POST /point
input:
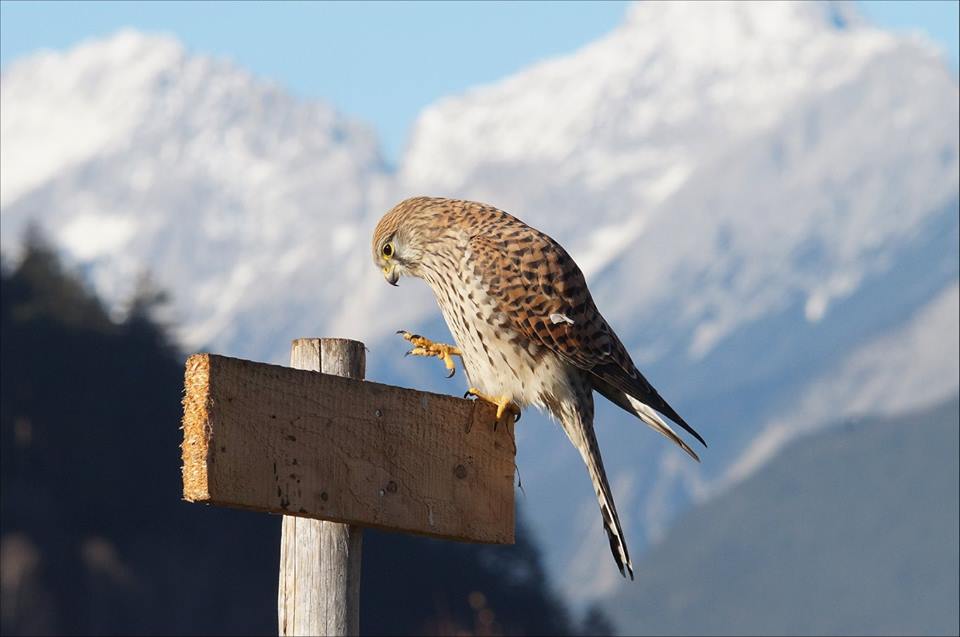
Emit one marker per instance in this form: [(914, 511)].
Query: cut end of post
[(196, 428)]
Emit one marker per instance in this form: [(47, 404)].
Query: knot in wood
[(460, 471)]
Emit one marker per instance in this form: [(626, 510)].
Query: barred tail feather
[(611, 524), (586, 442)]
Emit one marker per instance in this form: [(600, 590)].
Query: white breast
[(498, 360)]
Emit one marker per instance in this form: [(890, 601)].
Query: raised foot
[(503, 403), (425, 347)]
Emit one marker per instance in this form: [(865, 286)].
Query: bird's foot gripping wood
[(425, 347), (504, 404)]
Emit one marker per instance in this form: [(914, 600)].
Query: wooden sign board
[(302, 443)]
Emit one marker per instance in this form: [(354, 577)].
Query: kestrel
[(525, 324)]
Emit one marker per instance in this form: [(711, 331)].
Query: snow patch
[(913, 367), (88, 236)]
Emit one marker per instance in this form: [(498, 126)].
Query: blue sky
[(360, 55)]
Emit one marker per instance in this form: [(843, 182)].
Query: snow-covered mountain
[(764, 198), (239, 198)]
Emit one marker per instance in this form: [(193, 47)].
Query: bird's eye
[(388, 250)]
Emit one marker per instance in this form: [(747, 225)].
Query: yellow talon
[(504, 404), (425, 347)]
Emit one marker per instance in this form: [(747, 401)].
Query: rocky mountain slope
[(801, 547)]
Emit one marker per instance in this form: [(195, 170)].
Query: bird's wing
[(542, 292)]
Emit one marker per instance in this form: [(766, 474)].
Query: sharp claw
[(467, 394), (401, 331), (452, 372), (407, 353), (516, 418)]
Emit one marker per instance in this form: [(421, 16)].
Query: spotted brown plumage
[(526, 326)]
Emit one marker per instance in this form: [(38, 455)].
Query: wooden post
[(339, 453), (319, 591)]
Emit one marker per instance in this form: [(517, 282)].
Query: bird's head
[(400, 236)]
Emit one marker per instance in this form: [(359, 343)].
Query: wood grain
[(302, 443), (319, 588)]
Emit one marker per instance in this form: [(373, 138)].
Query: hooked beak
[(391, 275)]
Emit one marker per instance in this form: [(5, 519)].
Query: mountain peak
[(748, 19), (61, 107), (162, 143), (130, 44), (128, 52), (102, 96)]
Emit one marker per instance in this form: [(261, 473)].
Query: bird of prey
[(525, 324)]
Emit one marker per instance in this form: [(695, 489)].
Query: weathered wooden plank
[(302, 443), (319, 588)]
